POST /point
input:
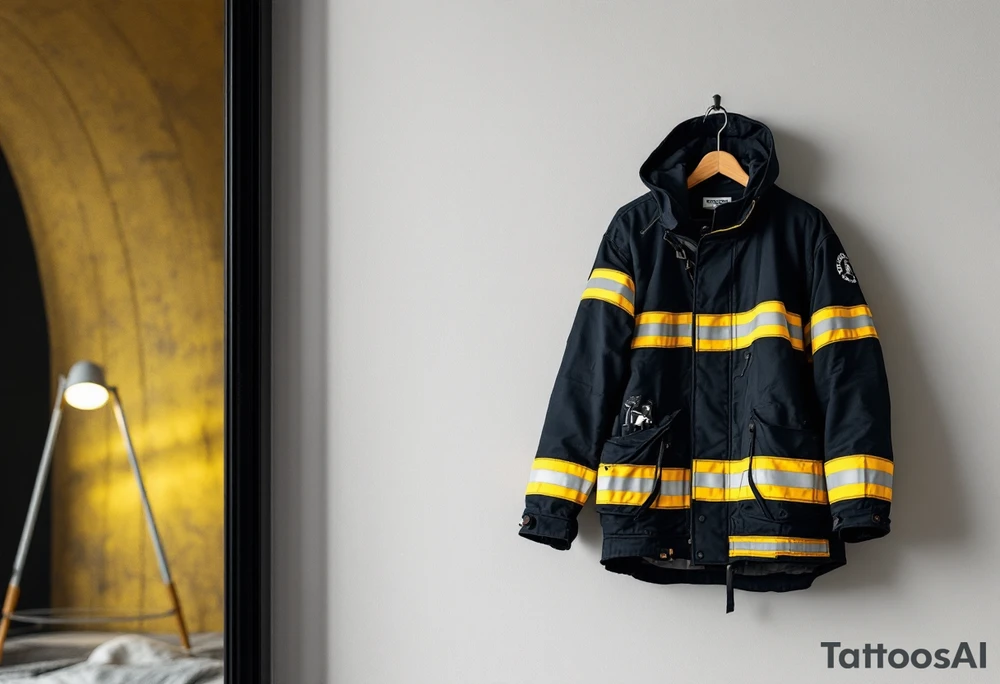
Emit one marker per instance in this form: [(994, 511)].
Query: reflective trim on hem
[(773, 547)]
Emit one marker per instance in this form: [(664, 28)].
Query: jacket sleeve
[(853, 393), (584, 402)]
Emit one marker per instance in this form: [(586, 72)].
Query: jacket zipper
[(747, 358), (694, 347)]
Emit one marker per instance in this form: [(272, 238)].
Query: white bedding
[(124, 659)]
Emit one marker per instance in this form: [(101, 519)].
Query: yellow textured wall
[(111, 117)]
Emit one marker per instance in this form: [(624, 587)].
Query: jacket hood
[(666, 170)]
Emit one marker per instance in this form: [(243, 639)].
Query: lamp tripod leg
[(181, 627), (14, 586), (9, 606), (161, 556)]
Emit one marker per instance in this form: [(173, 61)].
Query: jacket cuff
[(862, 525), (558, 533)]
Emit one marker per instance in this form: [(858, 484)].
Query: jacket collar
[(666, 170)]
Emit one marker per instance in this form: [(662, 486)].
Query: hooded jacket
[(722, 388)]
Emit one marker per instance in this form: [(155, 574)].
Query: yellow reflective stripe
[(614, 287), (748, 316), (842, 335), (610, 297), (840, 324), (861, 490), (770, 492), (840, 312), (630, 485), (866, 461), (561, 466), (719, 332), (783, 463), (665, 317), (744, 342), (647, 472), (859, 476), (663, 329), (557, 491), (776, 477), (607, 497), (773, 547), (661, 342), (616, 276), (561, 479)]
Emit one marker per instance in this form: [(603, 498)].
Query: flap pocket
[(768, 439)]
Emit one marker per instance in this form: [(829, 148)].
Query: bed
[(109, 658)]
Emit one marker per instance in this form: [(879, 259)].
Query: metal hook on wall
[(715, 108)]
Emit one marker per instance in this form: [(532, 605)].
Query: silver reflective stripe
[(711, 480), (562, 479), (663, 330), (608, 284), (779, 478), (841, 323), (782, 478), (643, 485), (819, 546), (859, 476), (728, 332)]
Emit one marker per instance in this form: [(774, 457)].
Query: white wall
[(443, 174)]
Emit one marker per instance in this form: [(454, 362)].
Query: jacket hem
[(635, 556)]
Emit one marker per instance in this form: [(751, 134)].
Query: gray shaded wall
[(434, 159)]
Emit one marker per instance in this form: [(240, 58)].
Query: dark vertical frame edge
[(248, 342)]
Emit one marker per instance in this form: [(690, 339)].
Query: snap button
[(526, 521), (701, 554), (877, 518), (701, 518)]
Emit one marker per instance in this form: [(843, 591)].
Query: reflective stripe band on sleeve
[(858, 477), (840, 324), (776, 478), (773, 547), (718, 332), (561, 479), (629, 485), (613, 287)]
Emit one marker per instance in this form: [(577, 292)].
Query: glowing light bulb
[(86, 396)]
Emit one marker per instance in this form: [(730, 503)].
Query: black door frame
[(248, 342)]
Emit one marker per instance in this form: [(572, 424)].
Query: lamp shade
[(86, 388)]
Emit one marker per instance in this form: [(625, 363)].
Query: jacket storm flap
[(722, 388)]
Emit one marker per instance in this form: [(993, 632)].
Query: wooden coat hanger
[(718, 162)]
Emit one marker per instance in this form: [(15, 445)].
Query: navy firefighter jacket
[(722, 388)]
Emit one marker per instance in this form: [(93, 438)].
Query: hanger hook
[(715, 108)]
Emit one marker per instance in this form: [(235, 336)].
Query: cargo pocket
[(784, 477), (636, 473)]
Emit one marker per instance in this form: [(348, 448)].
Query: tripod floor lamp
[(83, 388)]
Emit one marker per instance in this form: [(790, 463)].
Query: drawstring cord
[(730, 601), (753, 485), (654, 493)]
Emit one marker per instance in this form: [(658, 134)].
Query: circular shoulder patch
[(844, 268)]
